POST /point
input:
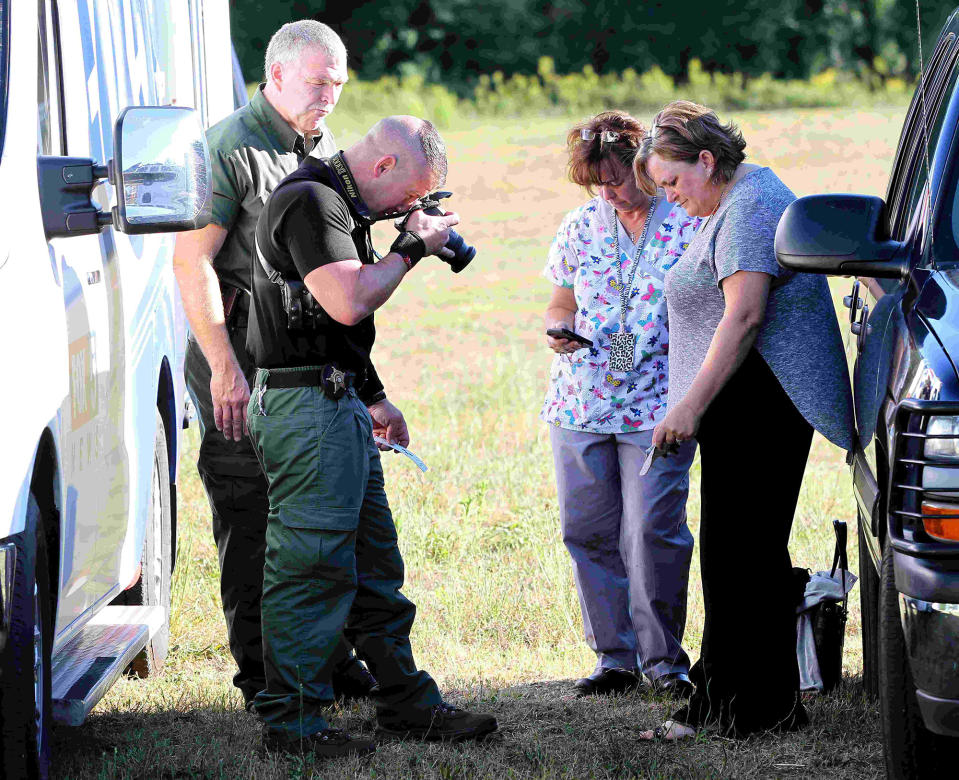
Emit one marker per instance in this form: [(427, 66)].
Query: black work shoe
[(676, 685), (442, 722), (329, 743), (606, 682), (353, 681)]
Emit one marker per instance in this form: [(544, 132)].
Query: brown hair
[(586, 158), (680, 132)]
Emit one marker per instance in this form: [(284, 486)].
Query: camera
[(457, 254)]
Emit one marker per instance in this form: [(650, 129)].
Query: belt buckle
[(334, 381)]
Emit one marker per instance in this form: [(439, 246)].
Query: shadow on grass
[(545, 732)]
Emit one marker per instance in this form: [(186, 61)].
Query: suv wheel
[(869, 612), (911, 750)]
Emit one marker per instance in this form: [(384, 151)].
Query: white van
[(103, 104)]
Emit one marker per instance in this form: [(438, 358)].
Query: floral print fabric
[(584, 394)]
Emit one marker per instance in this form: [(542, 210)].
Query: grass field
[(498, 623)]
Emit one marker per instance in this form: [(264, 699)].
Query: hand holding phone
[(569, 335)]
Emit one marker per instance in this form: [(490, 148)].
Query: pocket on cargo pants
[(313, 453)]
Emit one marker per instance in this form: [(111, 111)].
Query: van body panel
[(96, 331)]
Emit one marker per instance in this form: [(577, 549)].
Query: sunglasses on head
[(605, 136)]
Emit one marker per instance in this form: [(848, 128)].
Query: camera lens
[(463, 252)]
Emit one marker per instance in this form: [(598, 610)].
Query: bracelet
[(410, 247)]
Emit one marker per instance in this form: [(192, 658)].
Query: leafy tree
[(454, 42)]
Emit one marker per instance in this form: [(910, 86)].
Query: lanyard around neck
[(626, 290)]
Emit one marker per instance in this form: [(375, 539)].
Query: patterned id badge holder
[(622, 348)]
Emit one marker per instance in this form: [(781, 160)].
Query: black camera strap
[(345, 185), (271, 273)]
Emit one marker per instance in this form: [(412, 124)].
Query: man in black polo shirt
[(332, 562), (252, 150)]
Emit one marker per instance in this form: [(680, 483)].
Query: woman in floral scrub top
[(626, 533)]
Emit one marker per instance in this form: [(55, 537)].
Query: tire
[(869, 613), (25, 706), (156, 570), (911, 750)]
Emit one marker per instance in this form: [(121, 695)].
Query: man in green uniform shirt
[(251, 151), (332, 561)]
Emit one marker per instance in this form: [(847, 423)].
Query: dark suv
[(902, 309)]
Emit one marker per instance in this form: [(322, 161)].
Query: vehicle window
[(49, 103), (909, 172), (4, 64), (164, 50), (945, 238), (198, 36)]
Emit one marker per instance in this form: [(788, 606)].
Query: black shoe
[(442, 722), (608, 681), (676, 685), (352, 680), (329, 743)]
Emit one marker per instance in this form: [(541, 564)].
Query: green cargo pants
[(333, 567)]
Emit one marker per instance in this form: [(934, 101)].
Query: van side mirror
[(162, 169), (161, 172), (841, 235)]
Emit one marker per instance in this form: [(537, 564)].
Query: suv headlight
[(946, 449), (940, 505)]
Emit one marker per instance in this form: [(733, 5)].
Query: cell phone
[(566, 333)]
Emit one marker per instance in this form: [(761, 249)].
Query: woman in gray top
[(756, 364)]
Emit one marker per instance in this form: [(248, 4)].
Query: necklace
[(721, 196), (622, 344), (715, 208)]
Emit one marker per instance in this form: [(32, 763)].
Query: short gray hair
[(292, 38), (434, 150)]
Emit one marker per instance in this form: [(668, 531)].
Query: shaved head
[(414, 137), (407, 148)]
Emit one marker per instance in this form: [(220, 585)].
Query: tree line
[(454, 42)]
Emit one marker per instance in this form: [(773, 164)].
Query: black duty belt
[(331, 379)]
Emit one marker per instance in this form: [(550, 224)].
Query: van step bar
[(86, 667)]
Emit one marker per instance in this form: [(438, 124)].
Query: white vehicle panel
[(100, 315), (35, 349)]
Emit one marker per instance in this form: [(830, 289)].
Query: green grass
[(498, 622)]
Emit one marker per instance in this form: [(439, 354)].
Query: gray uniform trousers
[(630, 546)]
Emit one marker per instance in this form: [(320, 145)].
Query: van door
[(91, 474)]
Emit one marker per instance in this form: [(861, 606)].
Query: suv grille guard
[(907, 534)]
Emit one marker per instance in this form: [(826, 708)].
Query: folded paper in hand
[(419, 463), (654, 452)]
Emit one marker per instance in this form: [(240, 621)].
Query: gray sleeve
[(744, 240)]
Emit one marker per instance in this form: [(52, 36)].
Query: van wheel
[(25, 691), (911, 750), (153, 587), (869, 612)]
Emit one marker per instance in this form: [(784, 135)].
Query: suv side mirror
[(839, 235), (162, 170)]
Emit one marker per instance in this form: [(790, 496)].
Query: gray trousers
[(630, 546)]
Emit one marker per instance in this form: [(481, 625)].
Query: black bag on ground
[(821, 622)]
